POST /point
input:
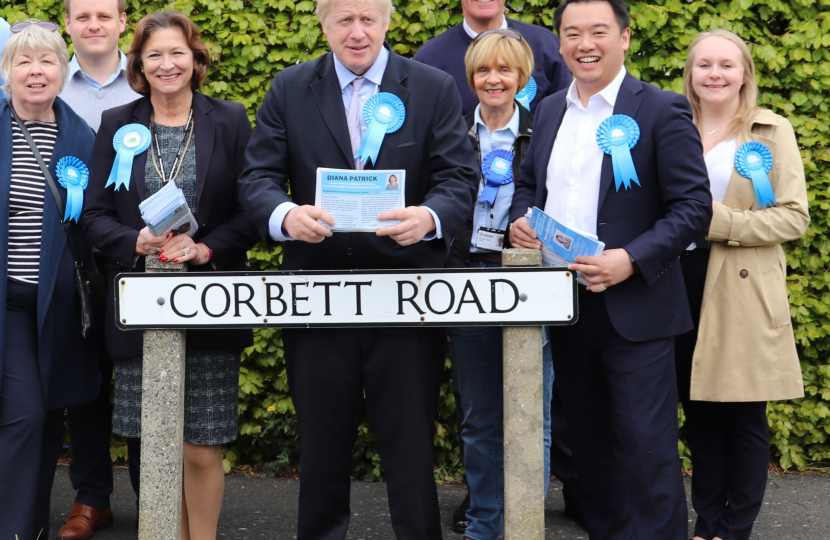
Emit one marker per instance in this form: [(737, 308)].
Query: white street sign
[(376, 298)]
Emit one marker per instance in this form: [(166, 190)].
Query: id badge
[(490, 239)]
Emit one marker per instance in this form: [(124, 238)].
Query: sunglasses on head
[(506, 32), (46, 25)]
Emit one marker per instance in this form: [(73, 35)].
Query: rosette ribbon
[(527, 94), (753, 160), (129, 141), (383, 113), (73, 175), (616, 136), (497, 168)]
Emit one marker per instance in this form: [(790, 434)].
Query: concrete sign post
[(524, 457), (162, 426)]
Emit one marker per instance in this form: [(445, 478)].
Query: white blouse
[(719, 163)]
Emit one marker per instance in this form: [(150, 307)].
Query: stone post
[(162, 426), (524, 458)]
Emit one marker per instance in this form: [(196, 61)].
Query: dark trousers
[(29, 437), (729, 441), (620, 400), (399, 373), (90, 432)]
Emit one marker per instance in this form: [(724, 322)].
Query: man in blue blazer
[(616, 364), (310, 118)]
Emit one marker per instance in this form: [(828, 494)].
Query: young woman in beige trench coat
[(742, 352)]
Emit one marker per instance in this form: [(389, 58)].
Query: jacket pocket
[(775, 291)]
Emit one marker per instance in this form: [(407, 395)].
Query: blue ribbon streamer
[(616, 136), (73, 175), (753, 160), (129, 141), (383, 113), (527, 94), (497, 168)]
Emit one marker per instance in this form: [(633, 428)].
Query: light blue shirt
[(75, 69), (5, 34), (371, 85), (501, 139)]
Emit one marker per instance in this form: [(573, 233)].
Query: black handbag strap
[(51, 182)]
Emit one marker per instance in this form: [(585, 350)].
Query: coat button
[(744, 273), (348, 251)]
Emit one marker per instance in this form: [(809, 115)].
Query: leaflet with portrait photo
[(561, 244), (355, 198)]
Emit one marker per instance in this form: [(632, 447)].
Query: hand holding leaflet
[(167, 211), (560, 244)]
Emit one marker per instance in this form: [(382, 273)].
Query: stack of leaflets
[(167, 211), (560, 244)]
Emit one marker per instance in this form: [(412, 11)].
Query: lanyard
[(177, 161), (483, 181)]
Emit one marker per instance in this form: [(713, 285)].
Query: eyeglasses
[(500, 31), (46, 25)]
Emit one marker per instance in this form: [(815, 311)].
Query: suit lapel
[(204, 140), (548, 137), (142, 116), (628, 103), (329, 98), (393, 77)]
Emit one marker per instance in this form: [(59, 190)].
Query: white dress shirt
[(371, 85), (573, 173)]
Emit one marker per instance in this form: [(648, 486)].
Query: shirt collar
[(609, 93), (75, 66), (472, 33), (512, 125), (375, 73)]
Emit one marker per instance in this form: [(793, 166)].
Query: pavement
[(796, 507)]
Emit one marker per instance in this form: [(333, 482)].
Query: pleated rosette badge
[(527, 94), (616, 136), (129, 141), (383, 113), (753, 160), (73, 175), (497, 168)]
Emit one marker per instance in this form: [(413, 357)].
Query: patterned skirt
[(211, 390)]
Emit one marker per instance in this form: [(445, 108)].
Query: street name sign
[(341, 298)]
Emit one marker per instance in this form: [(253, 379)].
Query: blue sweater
[(446, 52)]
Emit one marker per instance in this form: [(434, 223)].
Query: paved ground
[(796, 508)]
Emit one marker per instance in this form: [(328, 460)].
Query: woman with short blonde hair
[(742, 352)]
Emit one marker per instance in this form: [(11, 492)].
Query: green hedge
[(251, 40)]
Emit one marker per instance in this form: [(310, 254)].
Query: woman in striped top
[(45, 364)]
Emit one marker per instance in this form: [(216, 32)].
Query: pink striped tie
[(354, 120)]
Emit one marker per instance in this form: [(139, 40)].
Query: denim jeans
[(477, 356)]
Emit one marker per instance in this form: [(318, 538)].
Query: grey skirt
[(211, 390)]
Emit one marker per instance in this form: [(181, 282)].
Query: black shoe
[(459, 515), (573, 511)]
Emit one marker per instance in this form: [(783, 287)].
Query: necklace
[(712, 132), (174, 172)]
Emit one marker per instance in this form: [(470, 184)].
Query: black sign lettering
[(227, 299), (238, 302), (295, 299), (173, 300), (495, 309), (429, 304), (358, 285), (326, 285), (411, 299), (278, 298), (469, 287)]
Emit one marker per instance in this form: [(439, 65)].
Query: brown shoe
[(83, 522)]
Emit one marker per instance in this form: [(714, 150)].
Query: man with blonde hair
[(313, 117)]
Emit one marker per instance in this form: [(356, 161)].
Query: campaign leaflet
[(355, 198), (560, 244), (167, 211)]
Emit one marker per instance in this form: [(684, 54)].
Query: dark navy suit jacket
[(68, 364), (302, 125), (655, 221)]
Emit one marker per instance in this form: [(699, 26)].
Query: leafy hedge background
[(251, 40)]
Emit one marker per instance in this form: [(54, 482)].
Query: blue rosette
[(497, 168), (73, 175), (383, 113), (129, 141), (616, 136), (753, 160), (527, 94)]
